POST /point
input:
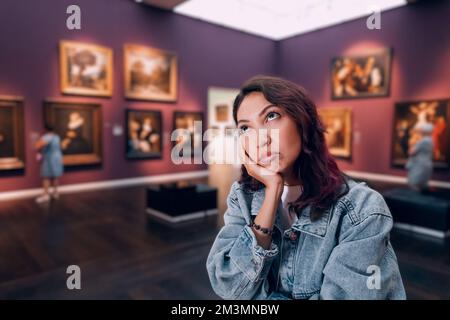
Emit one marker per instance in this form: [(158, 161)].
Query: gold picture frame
[(144, 134), (364, 75), (80, 128), (150, 73), (12, 143), (85, 69), (338, 123), (184, 132), (411, 114)]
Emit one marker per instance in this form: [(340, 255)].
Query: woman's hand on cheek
[(271, 179)]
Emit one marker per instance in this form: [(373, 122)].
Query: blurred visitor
[(49, 146), (420, 161)]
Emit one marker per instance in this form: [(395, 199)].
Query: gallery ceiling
[(276, 19)]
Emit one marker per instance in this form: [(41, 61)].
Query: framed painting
[(188, 133), (150, 74), (144, 134), (85, 69), (409, 115), (79, 126), (12, 150), (338, 124), (361, 76)]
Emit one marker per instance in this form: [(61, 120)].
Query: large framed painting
[(150, 74), (85, 69), (188, 133), (338, 124), (408, 115), (12, 153), (79, 126), (361, 76), (144, 134)]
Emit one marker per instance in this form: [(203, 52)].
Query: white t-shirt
[(290, 194)]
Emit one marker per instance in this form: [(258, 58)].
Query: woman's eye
[(272, 115), (243, 129)]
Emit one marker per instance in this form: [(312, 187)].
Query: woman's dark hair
[(322, 181), (48, 127)]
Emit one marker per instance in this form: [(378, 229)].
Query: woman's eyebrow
[(260, 113)]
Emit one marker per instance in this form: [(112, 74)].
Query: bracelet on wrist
[(267, 231)]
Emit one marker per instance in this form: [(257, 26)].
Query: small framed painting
[(188, 133), (12, 153), (79, 125), (144, 134), (150, 74), (361, 76), (86, 69), (338, 124)]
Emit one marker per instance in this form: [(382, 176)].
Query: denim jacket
[(345, 254)]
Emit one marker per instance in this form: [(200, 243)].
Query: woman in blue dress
[(49, 145)]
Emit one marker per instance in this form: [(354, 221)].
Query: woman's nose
[(264, 138)]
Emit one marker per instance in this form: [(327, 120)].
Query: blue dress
[(52, 159), (420, 165)]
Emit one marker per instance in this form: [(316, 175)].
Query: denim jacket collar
[(303, 224), (316, 227)]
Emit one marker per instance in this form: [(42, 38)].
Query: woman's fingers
[(261, 171), (249, 164), (244, 157), (252, 167)]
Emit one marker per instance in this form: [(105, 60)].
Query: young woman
[(52, 163), (295, 226)]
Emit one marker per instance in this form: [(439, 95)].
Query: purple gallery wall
[(208, 55), (420, 38)]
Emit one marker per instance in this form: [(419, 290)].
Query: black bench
[(172, 203), (427, 213)]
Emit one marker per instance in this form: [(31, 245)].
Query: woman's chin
[(272, 166)]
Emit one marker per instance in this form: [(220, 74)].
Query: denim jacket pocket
[(305, 286), (307, 272)]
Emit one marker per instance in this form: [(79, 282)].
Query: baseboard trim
[(422, 230), (119, 183), (108, 184), (181, 218), (391, 178)]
